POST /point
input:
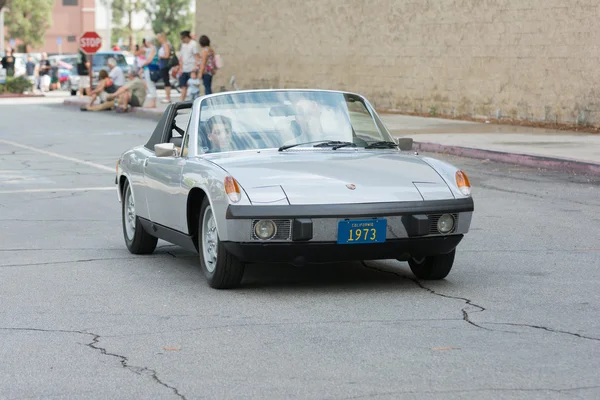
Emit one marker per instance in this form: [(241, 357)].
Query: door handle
[(145, 162)]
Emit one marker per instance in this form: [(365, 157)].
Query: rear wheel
[(137, 240), (432, 267), (221, 269)]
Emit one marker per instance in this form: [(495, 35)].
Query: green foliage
[(16, 85), (29, 20), (122, 11), (170, 17), (433, 110)]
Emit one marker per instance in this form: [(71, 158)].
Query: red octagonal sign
[(90, 42)]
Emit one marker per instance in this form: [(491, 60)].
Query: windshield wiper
[(322, 143), (381, 145), (336, 144)]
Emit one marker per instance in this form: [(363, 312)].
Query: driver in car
[(220, 134), (307, 125)]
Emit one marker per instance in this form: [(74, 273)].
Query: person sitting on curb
[(132, 94), (105, 86)]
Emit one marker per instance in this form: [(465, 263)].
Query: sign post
[(90, 43)]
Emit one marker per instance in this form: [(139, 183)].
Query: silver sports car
[(289, 176)]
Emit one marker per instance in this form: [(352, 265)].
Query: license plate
[(362, 231)]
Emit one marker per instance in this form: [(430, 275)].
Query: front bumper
[(312, 252), (319, 223)]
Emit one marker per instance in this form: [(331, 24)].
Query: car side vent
[(433, 220), (284, 229)]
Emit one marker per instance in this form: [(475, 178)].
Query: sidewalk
[(532, 147)]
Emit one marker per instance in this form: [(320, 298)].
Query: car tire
[(221, 269), (433, 267), (137, 240)]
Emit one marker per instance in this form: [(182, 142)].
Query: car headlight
[(445, 224), (265, 229)]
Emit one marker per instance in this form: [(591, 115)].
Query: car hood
[(332, 176)]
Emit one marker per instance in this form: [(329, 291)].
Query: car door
[(165, 196)]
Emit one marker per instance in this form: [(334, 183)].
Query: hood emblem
[(351, 186)]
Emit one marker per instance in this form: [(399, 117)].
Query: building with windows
[(70, 18)]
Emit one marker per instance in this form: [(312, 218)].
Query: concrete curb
[(150, 112), (527, 160)]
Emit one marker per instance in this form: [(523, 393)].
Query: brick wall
[(534, 59)]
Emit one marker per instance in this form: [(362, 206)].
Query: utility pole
[(108, 24), (2, 10)]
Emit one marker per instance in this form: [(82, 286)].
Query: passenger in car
[(220, 134)]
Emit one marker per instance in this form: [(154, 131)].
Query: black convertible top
[(164, 125)]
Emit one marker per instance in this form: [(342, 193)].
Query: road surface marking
[(56, 155), (59, 190)]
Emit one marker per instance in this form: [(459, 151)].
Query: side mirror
[(405, 144), (164, 149)]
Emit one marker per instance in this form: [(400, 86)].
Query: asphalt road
[(81, 317)]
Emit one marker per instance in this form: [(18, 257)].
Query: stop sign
[(90, 42)]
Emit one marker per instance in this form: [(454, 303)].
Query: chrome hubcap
[(129, 214), (210, 240)]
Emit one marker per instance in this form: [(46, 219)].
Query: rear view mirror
[(405, 144), (164, 149)]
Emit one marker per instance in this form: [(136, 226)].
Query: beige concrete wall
[(527, 58)]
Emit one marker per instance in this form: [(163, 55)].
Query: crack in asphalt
[(124, 361), (545, 329), (469, 302), (137, 370), (553, 390), (67, 262)]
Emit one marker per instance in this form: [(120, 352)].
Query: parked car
[(289, 176), (99, 62), (63, 66)]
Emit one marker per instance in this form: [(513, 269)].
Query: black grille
[(433, 220)]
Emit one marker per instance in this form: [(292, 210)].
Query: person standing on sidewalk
[(45, 68), (164, 56), (30, 71), (189, 57), (83, 70), (150, 69), (207, 64), (8, 63)]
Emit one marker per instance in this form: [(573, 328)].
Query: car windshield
[(272, 119), (101, 60)]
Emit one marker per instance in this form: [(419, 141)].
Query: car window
[(362, 122), (101, 60)]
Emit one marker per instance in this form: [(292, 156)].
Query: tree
[(170, 17), (122, 12), (29, 20)]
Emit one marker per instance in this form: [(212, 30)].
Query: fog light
[(265, 229), (445, 223)]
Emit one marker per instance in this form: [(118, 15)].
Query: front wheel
[(221, 269), (432, 267), (137, 240)]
